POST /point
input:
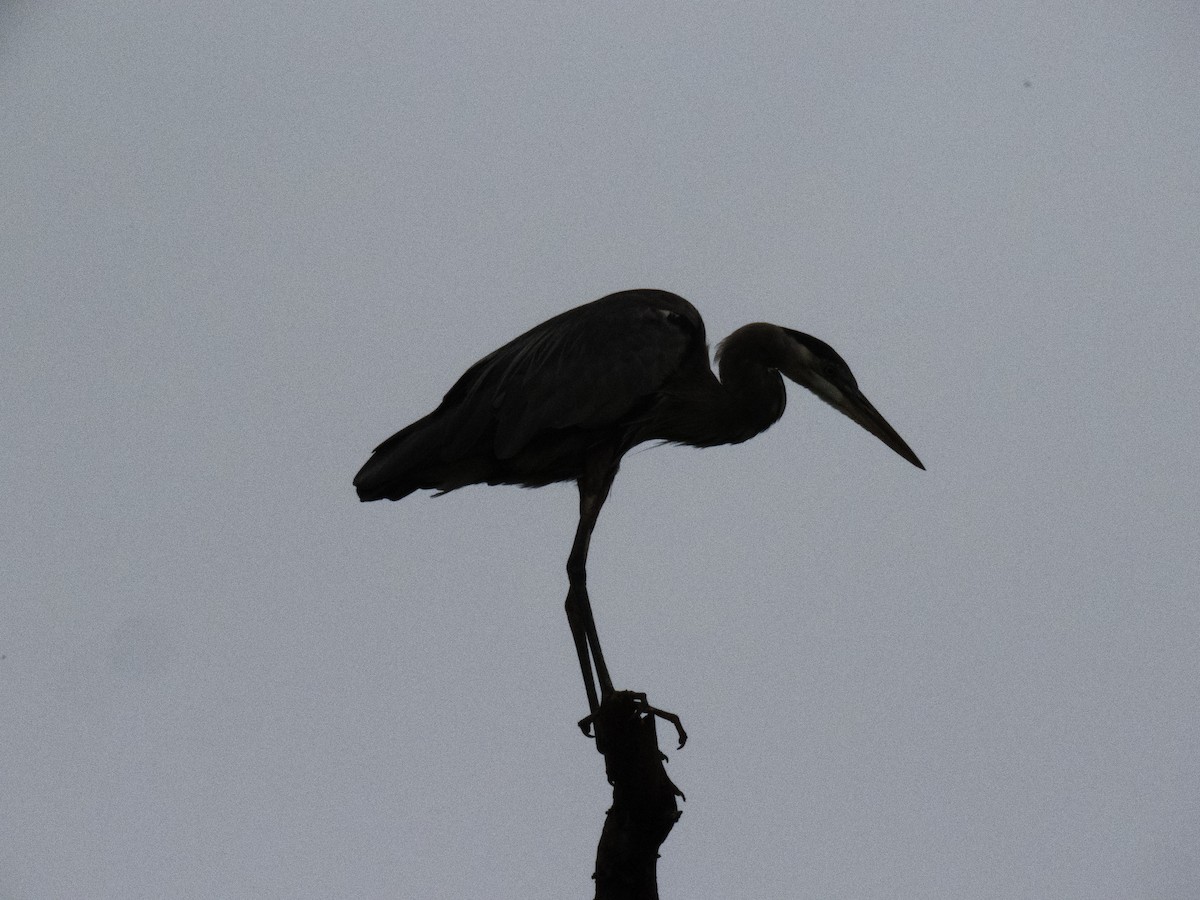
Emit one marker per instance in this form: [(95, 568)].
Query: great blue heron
[(567, 399)]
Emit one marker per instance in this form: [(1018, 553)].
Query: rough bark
[(644, 807)]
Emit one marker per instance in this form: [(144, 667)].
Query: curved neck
[(748, 399)]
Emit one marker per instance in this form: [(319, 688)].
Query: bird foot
[(641, 706)]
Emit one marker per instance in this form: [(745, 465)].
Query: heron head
[(813, 364)]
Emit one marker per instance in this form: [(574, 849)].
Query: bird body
[(531, 412), (568, 398)]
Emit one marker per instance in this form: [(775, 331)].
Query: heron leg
[(579, 632), (592, 494)]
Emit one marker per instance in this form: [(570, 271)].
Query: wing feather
[(587, 367)]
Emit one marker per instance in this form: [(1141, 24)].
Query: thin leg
[(592, 494), (575, 619), (606, 686)]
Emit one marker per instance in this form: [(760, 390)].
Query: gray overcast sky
[(243, 243)]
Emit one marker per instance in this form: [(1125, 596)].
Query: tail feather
[(396, 467)]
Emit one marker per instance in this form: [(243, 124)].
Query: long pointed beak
[(857, 407)]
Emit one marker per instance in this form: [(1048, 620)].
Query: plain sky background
[(243, 243)]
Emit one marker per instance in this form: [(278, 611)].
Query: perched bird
[(567, 399)]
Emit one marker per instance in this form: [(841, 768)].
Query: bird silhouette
[(567, 399)]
